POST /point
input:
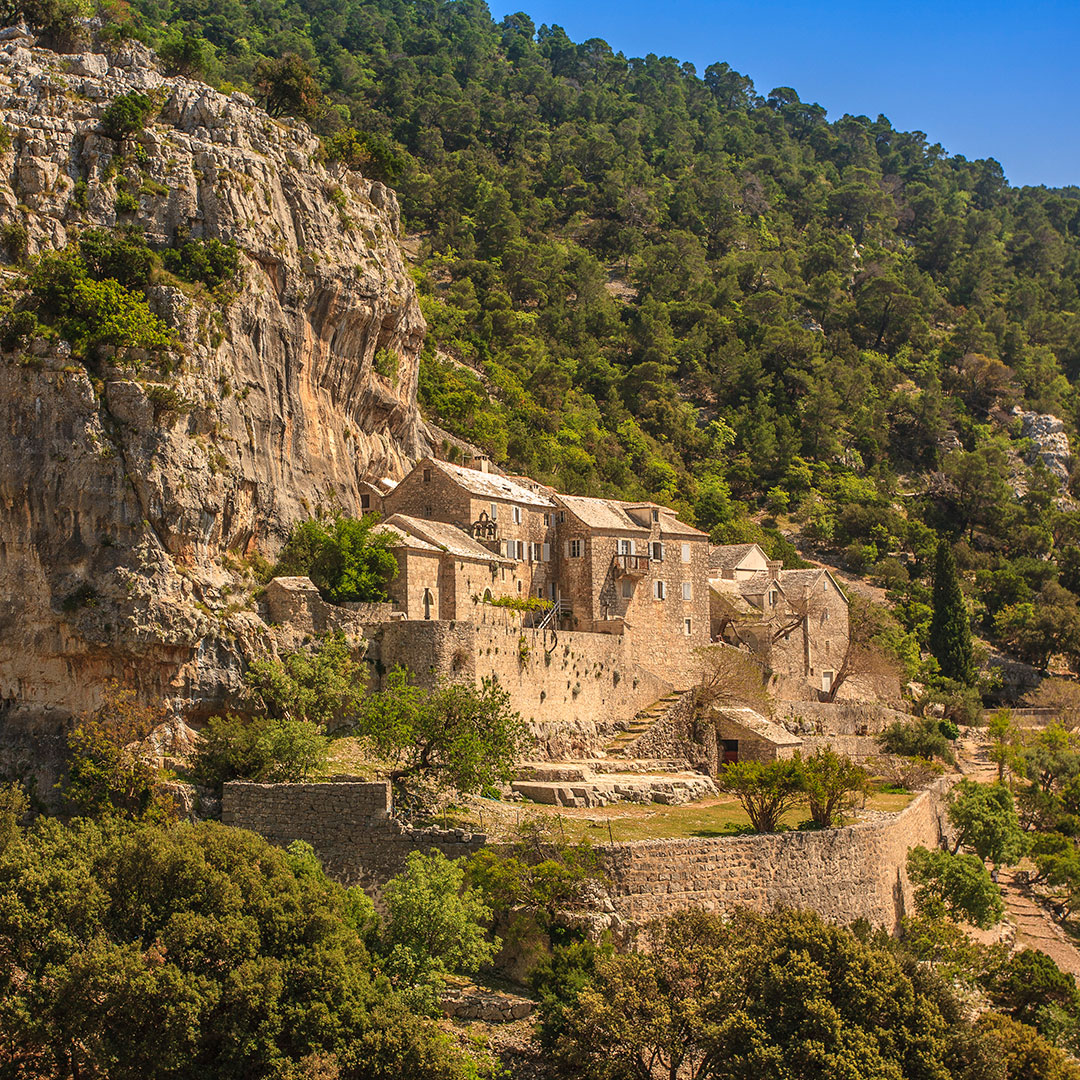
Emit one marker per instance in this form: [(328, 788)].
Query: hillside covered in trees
[(642, 280)]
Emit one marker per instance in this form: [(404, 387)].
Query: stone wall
[(858, 747), (843, 874), (569, 687), (348, 823), (841, 717)]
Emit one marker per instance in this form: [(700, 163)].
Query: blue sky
[(997, 79)]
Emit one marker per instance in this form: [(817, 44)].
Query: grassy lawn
[(709, 817)]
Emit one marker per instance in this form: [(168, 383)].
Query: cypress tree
[(950, 631)]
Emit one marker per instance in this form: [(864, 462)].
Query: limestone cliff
[(122, 523)]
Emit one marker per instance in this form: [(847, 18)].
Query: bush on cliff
[(131, 951), (344, 559)]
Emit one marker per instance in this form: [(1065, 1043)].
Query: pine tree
[(950, 631)]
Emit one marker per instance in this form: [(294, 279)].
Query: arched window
[(428, 601)]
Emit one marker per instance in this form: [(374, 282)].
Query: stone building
[(635, 569), (442, 572), (795, 621), (733, 562), (507, 518)]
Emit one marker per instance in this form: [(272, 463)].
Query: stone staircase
[(641, 723)]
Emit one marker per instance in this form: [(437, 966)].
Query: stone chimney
[(772, 567), (482, 462)]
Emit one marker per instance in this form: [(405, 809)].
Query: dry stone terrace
[(857, 871)]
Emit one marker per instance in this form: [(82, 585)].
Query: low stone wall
[(348, 823), (858, 747), (843, 874), (841, 717)]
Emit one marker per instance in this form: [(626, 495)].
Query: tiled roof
[(610, 515), (442, 537), (806, 578), (728, 556), (670, 525), (603, 514), (754, 722), (492, 485)]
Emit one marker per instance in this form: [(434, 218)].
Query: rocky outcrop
[(1049, 442), (129, 501)]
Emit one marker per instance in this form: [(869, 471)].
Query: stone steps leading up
[(642, 723)]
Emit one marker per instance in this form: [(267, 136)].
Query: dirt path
[(1035, 927)]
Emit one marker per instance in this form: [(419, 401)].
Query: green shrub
[(5, 138), (434, 927), (127, 114), (126, 203), (121, 254), (266, 749), (208, 261), (917, 739), (385, 363), (90, 313), (344, 560), (15, 240)]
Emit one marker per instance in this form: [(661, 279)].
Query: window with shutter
[(687, 591), (686, 553), (658, 551), (545, 552), (660, 590)]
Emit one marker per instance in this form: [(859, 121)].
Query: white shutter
[(686, 553), (566, 549), (545, 553), (687, 591)]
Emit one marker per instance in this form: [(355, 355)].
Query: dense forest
[(645, 281)]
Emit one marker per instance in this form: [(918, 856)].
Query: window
[(658, 551), (427, 511), (517, 515), (824, 584), (687, 591), (660, 590), (536, 552), (772, 598), (686, 553), (547, 521), (627, 589), (687, 627), (545, 553), (494, 511), (519, 584), (574, 549), (427, 476), (624, 547), (365, 502), (562, 516), (825, 616), (540, 592), (656, 515)]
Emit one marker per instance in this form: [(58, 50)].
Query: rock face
[(126, 509), (1049, 443)]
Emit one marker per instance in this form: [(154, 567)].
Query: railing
[(631, 564)]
